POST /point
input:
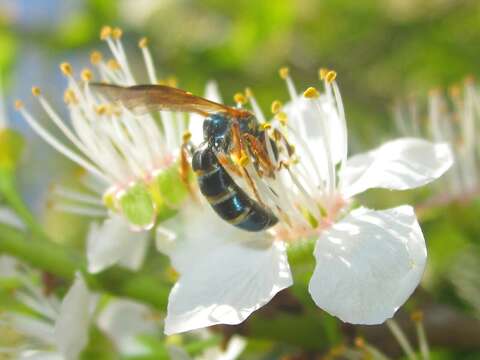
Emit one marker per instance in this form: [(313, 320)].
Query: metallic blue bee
[(225, 129)]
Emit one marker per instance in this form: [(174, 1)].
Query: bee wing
[(141, 99)]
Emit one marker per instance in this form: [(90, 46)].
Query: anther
[(359, 342), (69, 97), (322, 72), (117, 33), (36, 91), (18, 104), (455, 91), (248, 92), (276, 107), (101, 109), (331, 76), (95, 57), (187, 135), (240, 98), (86, 75), (265, 126), (66, 69), (283, 72), (113, 64), (417, 316), (105, 32), (311, 93), (282, 117), (244, 159), (171, 81), (143, 43)]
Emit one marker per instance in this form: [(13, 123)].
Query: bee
[(226, 131)]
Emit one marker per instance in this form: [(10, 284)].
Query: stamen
[(105, 32), (256, 108), (276, 107), (311, 93), (284, 72), (70, 194), (86, 75), (147, 57), (240, 99), (322, 73), (95, 57), (117, 33), (58, 145), (282, 117), (330, 76), (187, 135), (69, 97), (417, 318), (36, 91), (401, 338), (113, 64), (80, 210), (66, 69)]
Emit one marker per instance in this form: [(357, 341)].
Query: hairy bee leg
[(185, 167), (257, 148), (241, 156)]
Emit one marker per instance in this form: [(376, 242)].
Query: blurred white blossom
[(55, 329)]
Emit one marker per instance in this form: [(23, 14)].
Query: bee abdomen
[(228, 200)]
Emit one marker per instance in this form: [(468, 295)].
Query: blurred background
[(382, 50)]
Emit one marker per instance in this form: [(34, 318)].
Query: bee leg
[(184, 166), (258, 150), (242, 159)]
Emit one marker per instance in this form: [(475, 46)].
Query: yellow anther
[(322, 73), (18, 104), (282, 117), (105, 32), (284, 71), (101, 109), (455, 91), (243, 160), (143, 43), (417, 316), (117, 33), (469, 80), (248, 92), (276, 106), (95, 57), (69, 97), (171, 81), (171, 274), (187, 135), (86, 75), (66, 69), (331, 76), (36, 91), (359, 342), (113, 64), (434, 92), (311, 93), (240, 98), (265, 126)]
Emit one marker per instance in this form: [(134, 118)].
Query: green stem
[(58, 260), (15, 201)]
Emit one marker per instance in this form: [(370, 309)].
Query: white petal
[(113, 242), (124, 320), (8, 217), (8, 266), (72, 325), (226, 285), (401, 164), (368, 264), (35, 328), (40, 355), (235, 347)]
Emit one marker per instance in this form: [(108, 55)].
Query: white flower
[(452, 119), (130, 154), (8, 217), (235, 347), (60, 331), (367, 262), (123, 321)]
